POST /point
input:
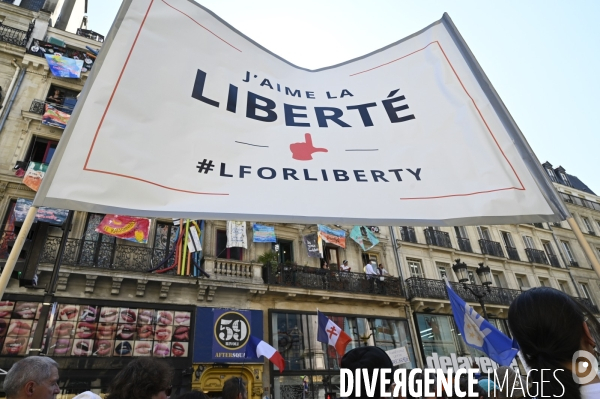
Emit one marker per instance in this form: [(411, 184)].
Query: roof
[(579, 185)]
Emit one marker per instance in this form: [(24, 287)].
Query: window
[(548, 248), (41, 150), (544, 282), (471, 277), (586, 292), (507, 238), (62, 98), (565, 179), (286, 251), (415, 268), (484, 233), (498, 280), (588, 225), (368, 257), (568, 251), (227, 253), (165, 237), (551, 174), (598, 223), (522, 281), (528, 242), (443, 270), (461, 232), (564, 287)]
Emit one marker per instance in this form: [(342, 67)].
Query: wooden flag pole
[(16, 249), (584, 244)]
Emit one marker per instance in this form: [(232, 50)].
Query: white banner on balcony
[(183, 116)]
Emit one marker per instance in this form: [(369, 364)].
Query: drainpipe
[(396, 256), (12, 100), (12, 84), (556, 242)]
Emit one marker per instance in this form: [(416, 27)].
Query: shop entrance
[(209, 378)]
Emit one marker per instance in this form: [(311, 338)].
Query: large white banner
[(186, 117)]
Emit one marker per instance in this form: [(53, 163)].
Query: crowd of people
[(37, 377)]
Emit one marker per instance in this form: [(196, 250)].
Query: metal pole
[(485, 315), (584, 244), (16, 249), (49, 304)]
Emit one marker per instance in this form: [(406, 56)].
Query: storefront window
[(295, 337), (439, 335)]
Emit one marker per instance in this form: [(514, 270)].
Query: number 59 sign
[(231, 333)]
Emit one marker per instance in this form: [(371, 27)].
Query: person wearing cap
[(369, 358)]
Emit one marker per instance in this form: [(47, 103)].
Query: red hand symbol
[(304, 151)]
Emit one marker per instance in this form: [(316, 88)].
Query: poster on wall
[(64, 67), (262, 233), (49, 215), (312, 246), (55, 117), (125, 227), (332, 236), (230, 334), (34, 175)]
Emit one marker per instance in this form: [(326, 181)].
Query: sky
[(542, 57)]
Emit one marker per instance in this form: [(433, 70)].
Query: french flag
[(330, 333), (257, 347)]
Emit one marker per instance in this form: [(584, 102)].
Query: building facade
[(116, 300)]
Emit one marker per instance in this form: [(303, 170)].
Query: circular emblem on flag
[(87, 61), (232, 330)]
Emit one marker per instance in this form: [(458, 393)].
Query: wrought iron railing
[(107, 255), (464, 244), (437, 238), (588, 304), (539, 225), (14, 36), (512, 253), (557, 224), (580, 201), (90, 34), (574, 263), (39, 107), (553, 260), (408, 234), (417, 287), (324, 279), (536, 256), (491, 248)]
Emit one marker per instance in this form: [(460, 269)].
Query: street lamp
[(485, 275)]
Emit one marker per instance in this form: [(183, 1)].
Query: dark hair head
[(193, 395), (369, 358), (548, 325), (233, 387), (142, 378)]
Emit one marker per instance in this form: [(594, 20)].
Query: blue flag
[(478, 333)]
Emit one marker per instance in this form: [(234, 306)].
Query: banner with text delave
[(411, 134)]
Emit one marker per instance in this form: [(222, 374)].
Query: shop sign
[(230, 334), (454, 362)]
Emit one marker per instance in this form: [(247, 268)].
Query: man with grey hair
[(35, 377)]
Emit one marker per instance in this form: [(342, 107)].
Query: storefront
[(443, 347), (220, 350), (294, 335), (93, 339)]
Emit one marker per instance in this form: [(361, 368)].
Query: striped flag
[(257, 347), (330, 333)]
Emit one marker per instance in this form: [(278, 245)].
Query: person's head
[(345, 263), (370, 358), (234, 388), (57, 92), (192, 395), (87, 395), (550, 327), (34, 377), (380, 266), (142, 378)]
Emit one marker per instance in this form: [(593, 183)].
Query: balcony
[(491, 248), (408, 234), (40, 48), (14, 36), (437, 238), (553, 260), (39, 107), (106, 255), (417, 287), (328, 280), (539, 225), (574, 263), (90, 34), (536, 256), (464, 244), (588, 304), (513, 254)]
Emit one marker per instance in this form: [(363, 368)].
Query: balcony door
[(96, 249), (507, 238), (484, 233)]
